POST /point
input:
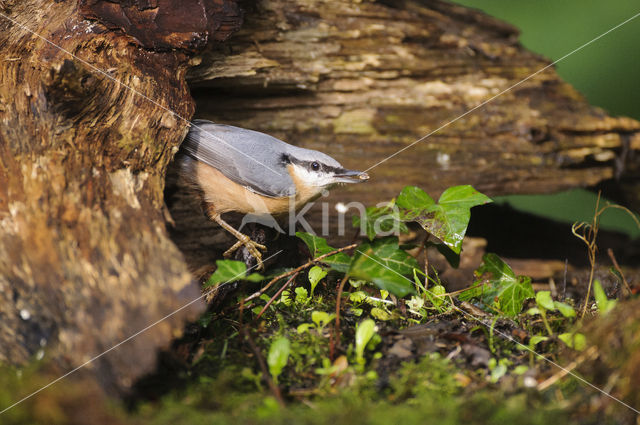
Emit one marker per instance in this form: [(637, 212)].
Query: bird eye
[(315, 166)]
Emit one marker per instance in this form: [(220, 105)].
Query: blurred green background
[(607, 72)]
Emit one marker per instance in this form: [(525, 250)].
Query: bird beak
[(350, 176)]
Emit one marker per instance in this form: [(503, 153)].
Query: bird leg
[(252, 246)]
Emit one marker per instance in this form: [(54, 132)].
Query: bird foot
[(253, 248)]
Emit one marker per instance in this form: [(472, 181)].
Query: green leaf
[(231, 271), (378, 220), (385, 264), (278, 356), (435, 295), (565, 309), (452, 258), (380, 314), (365, 330), (448, 219), (316, 274), (358, 297), (544, 300), (304, 327), (604, 304), (574, 340), (536, 339), (520, 370), (502, 285), (302, 296), (322, 319), (498, 372), (318, 246)]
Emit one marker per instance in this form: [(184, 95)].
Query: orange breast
[(226, 195)]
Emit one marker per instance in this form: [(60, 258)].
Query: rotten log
[(85, 258), (365, 80)]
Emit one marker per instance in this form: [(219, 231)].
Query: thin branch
[(619, 270), (590, 354), (263, 367), (297, 270), (280, 291), (336, 334)]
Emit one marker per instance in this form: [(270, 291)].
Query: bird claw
[(253, 248)]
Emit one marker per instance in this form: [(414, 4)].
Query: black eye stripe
[(309, 165)]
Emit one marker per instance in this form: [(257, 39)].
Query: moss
[(358, 121)]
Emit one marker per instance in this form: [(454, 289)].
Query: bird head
[(313, 171)]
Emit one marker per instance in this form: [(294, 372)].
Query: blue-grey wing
[(247, 157)]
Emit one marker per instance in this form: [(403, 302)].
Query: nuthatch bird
[(253, 173)]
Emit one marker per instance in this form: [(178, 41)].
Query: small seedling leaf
[(380, 314), (604, 304), (536, 339), (365, 330), (318, 246), (544, 300), (498, 372), (574, 340), (565, 309), (316, 274), (321, 318), (304, 327), (278, 356), (302, 296)]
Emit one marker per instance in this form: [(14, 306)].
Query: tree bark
[(85, 260)]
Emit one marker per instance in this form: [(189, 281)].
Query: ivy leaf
[(378, 220), (501, 288), (231, 271), (385, 264), (448, 219), (318, 246)]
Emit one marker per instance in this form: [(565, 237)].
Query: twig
[(590, 354), (297, 270), (336, 334), (588, 236), (426, 262), (263, 366), (459, 290), (256, 351), (618, 269), (280, 291), (564, 280)]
